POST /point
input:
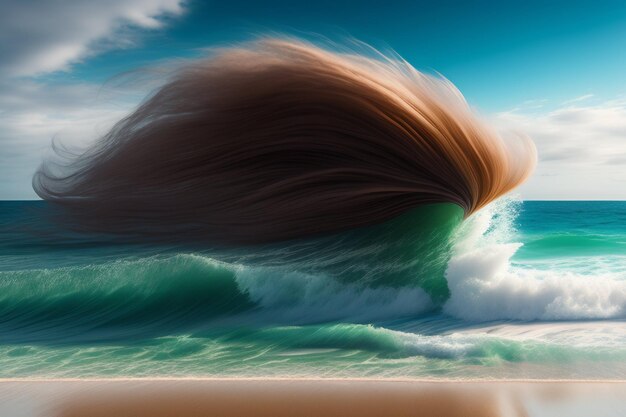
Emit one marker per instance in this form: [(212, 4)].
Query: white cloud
[(578, 99), (581, 146), (40, 36), (31, 114)]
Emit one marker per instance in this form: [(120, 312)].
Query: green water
[(521, 290)]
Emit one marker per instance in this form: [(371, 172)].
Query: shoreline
[(312, 379), (308, 397)]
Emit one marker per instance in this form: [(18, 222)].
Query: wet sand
[(307, 397)]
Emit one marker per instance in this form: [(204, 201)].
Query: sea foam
[(485, 284)]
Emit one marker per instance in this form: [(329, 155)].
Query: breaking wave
[(486, 285), (476, 279)]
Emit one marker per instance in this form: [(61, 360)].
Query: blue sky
[(554, 70)]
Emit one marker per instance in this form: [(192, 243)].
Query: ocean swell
[(116, 300)]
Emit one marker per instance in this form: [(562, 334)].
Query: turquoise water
[(518, 290)]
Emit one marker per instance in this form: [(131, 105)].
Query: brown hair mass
[(280, 139)]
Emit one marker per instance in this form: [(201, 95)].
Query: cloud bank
[(581, 145), (40, 36)]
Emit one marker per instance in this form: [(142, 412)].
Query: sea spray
[(486, 285)]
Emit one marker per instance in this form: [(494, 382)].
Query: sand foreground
[(307, 397)]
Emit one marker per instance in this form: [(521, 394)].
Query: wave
[(486, 285), (297, 298), (572, 244), (278, 140), (162, 295), (478, 344), (421, 264), (369, 190), (118, 300), (335, 350), (351, 278)]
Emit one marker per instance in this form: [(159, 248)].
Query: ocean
[(519, 290)]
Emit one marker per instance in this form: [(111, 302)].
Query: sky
[(554, 70)]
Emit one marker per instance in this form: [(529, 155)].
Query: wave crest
[(485, 284)]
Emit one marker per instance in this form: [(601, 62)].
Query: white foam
[(484, 285), (304, 297)]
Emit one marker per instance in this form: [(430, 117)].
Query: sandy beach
[(307, 397)]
